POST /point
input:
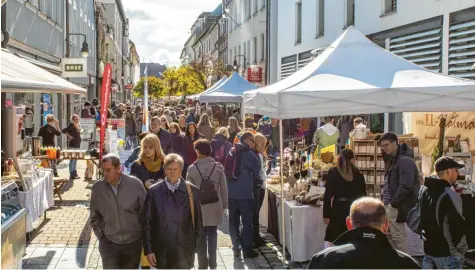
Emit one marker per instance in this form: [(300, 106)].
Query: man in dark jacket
[(117, 204), (191, 118), (166, 140), (241, 196), (173, 226), (401, 185), (365, 244), (442, 222)]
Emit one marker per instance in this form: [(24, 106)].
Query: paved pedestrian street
[(64, 238)]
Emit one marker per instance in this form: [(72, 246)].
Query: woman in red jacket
[(191, 135)]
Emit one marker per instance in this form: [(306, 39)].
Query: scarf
[(152, 165)]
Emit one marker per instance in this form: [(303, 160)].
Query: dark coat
[(217, 142), (248, 169), (75, 142), (343, 193), (404, 182), (178, 144), (140, 171), (190, 154), (361, 248), (168, 226), (133, 157), (47, 132), (165, 141)]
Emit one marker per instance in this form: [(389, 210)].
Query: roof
[(355, 76), (18, 75), (153, 69), (230, 90)]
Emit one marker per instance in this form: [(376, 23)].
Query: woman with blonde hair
[(73, 132), (345, 184), (164, 123), (205, 127), (260, 146), (149, 166), (233, 128)]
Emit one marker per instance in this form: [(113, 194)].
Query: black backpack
[(208, 193)]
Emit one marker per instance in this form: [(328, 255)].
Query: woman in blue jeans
[(73, 132)]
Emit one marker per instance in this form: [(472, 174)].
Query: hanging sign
[(105, 97), (254, 74), (74, 67)]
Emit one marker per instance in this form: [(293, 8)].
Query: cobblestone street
[(64, 239)]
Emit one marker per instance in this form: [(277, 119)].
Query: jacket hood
[(219, 138), (405, 150), (432, 182)]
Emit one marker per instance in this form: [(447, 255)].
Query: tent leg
[(282, 190), (243, 116)]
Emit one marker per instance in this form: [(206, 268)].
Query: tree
[(156, 87), (206, 67)]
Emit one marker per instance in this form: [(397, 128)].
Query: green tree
[(156, 87)]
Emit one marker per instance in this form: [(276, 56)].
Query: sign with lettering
[(425, 126), (74, 67), (254, 74)]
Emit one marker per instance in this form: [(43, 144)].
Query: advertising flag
[(105, 97)]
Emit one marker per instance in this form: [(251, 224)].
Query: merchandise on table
[(13, 226)]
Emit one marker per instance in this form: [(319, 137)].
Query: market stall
[(229, 91), (209, 90), (356, 76)]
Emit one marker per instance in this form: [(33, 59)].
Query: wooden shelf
[(364, 154)]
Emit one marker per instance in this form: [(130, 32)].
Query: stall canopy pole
[(282, 189), (243, 116)]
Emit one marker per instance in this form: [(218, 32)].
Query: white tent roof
[(20, 76), (356, 76), (230, 91), (209, 90)]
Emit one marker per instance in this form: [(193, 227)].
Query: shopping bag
[(143, 260)]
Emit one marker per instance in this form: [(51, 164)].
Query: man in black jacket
[(365, 245), (442, 222), (401, 185)]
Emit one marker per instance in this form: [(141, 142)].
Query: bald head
[(367, 212)]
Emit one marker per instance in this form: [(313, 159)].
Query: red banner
[(105, 97), (254, 74)]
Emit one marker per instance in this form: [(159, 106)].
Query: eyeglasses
[(385, 145)]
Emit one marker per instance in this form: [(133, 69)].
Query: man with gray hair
[(365, 245), (117, 204)]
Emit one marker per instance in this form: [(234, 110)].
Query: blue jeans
[(241, 209), (72, 166), (450, 262), (207, 255)]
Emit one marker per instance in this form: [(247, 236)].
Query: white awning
[(20, 76)]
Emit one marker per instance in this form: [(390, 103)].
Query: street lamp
[(85, 46), (235, 63)]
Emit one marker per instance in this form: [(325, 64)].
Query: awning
[(20, 76)]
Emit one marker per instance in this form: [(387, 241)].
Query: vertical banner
[(145, 100), (47, 109), (105, 97)]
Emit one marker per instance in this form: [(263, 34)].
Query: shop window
[(298, 22)]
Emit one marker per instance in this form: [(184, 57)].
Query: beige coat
[(207, 131), (213, 212)]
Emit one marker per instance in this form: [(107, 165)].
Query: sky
[(160, 28)]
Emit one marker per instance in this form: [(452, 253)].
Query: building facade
[(438, 35), (246, 37)]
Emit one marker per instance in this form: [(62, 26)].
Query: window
[(390, 6), (263, 3), (298, 22), (248, 56), (350, 12), (255, 50), (244, 52), (263, 47), (321, 18), (256, 9)]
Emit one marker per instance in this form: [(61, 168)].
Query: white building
[(246, 20), (436, 34)]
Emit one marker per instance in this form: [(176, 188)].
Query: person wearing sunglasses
[(400, 188)]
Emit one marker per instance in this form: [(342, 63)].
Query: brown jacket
[(118, 218), (213, 212), (207, 131)]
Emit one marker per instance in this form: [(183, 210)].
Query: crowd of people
[(192, 168)]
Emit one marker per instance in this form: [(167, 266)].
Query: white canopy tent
[(20, 76), (230, 91), (356, 76), (209, 90)]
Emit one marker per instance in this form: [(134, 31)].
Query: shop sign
[(254, 74), (115, 88), (425, 126), (74, 67), (105, 97), (128, 86)]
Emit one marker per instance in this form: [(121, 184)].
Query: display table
[(38, 199), (304, 226)]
